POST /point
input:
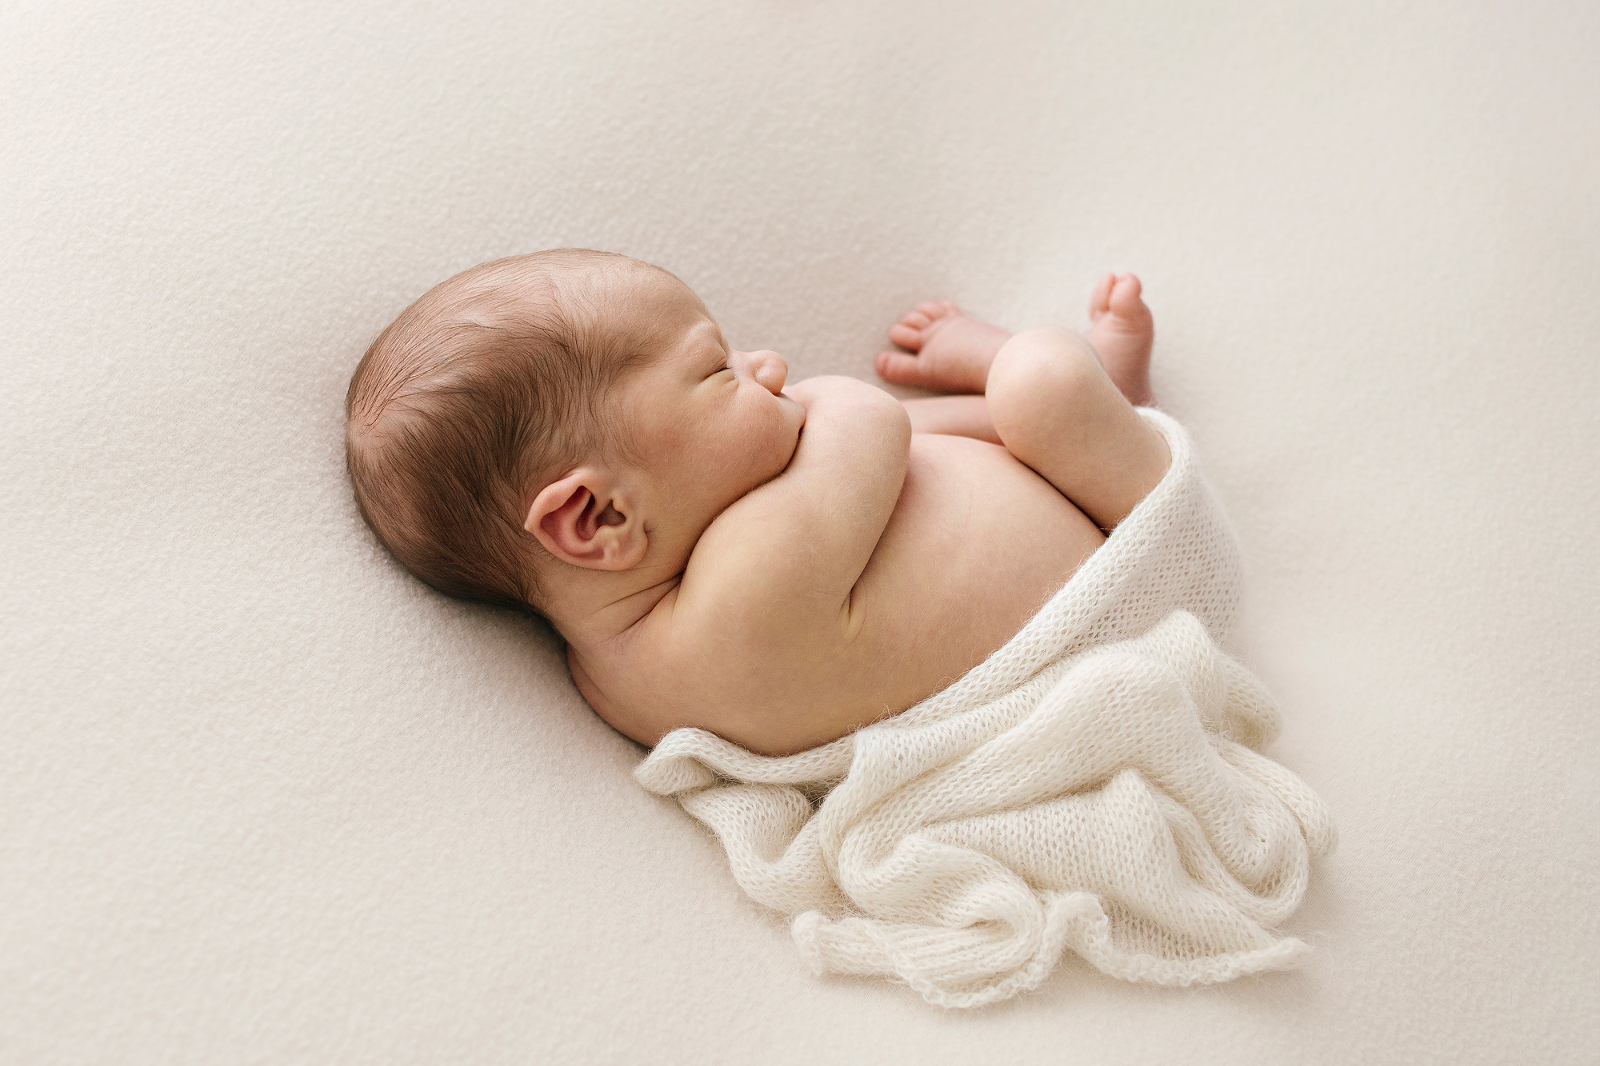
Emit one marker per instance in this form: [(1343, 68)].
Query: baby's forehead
[(655, 293), (645, 312)]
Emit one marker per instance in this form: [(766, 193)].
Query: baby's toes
[(913, 330), (1124, 297), (1100, 299), (907, 333), (902, 369)]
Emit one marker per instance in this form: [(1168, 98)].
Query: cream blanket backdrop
[(267, 800)]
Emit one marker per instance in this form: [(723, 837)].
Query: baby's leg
[(1059, 403), (1056, 408), (948, 351), (955, 416)]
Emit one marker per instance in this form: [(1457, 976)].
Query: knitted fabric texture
[(1094, 785)]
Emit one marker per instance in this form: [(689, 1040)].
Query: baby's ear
[(584, 519)]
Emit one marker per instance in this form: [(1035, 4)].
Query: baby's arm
[(777, 568)]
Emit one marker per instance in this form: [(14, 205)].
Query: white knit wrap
[(1096, 784)]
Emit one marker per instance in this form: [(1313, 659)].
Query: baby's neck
[(599, 607)]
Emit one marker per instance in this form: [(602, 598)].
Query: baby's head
[(553, 417)]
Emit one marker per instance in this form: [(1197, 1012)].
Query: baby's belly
[(977, 543)]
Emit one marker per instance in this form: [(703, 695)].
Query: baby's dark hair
[(473, 399)]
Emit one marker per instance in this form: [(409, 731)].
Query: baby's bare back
[(976, 545)]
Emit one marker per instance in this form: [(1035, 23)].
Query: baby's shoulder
[(676, 667)]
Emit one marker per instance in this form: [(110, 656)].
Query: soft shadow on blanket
[(1096, 784)]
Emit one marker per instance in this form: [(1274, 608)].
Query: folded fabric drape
[(1095, 785)]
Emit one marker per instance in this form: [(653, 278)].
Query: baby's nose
[(769, 370)]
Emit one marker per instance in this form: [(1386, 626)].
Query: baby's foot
[(952, 351), (1122, 330)]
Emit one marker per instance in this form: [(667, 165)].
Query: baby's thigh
[(1056, 410)]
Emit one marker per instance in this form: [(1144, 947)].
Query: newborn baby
[(569, 432)]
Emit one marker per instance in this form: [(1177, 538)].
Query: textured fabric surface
[(265, 799), (1092, 785)]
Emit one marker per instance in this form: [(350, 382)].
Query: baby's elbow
[(883, 412)]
